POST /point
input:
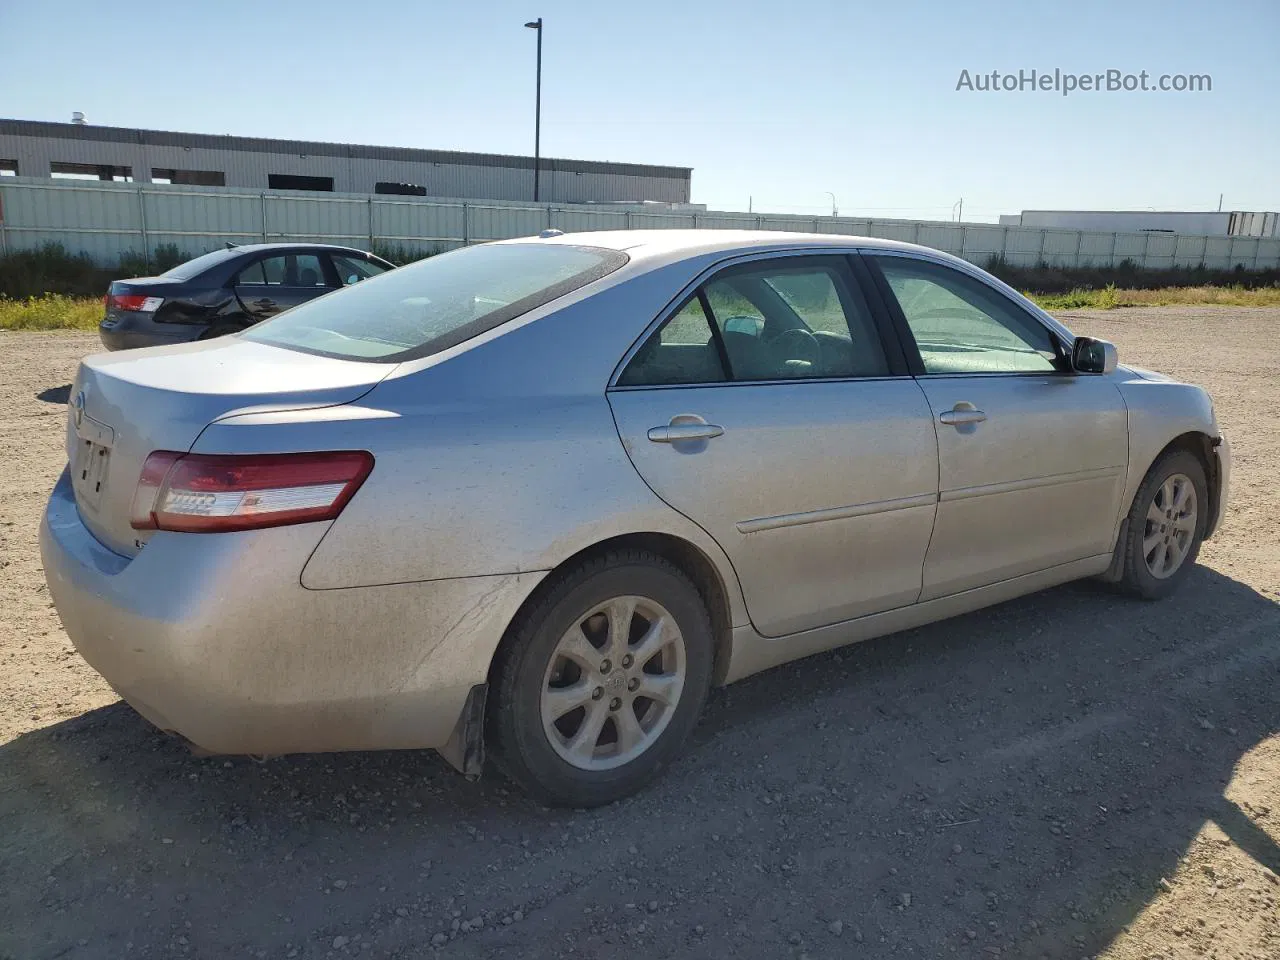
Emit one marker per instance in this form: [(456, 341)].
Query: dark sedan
[(227, 290)]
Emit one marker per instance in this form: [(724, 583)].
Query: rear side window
[(251, 275), (780, 318), (683, 351), (352, 270), (437, 303)]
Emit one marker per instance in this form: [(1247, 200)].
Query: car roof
[(216, 263), (679, 244), (295, 245)]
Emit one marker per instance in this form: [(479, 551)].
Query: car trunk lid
[(123, 406), (139, 295)]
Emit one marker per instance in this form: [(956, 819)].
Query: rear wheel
[(602, 680), (1166, 524)]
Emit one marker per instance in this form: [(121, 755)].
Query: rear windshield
[(193, 268), (436, 303)]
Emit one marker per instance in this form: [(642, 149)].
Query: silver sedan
[(529, 500)]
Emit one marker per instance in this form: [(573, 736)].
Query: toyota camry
[(527, 501)]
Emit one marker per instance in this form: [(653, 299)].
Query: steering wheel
[(797, 343)]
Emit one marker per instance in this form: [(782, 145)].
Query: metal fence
[(108, 220)]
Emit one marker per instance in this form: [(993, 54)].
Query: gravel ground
[(1068, 775)]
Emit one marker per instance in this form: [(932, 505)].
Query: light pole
[(834, 211), (537, 110)]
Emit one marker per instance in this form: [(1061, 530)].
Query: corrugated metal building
[(38, 149)]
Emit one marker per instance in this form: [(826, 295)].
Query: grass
[(1109, 297), (52, 311)]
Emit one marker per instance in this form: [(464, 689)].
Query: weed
[(52, 311)]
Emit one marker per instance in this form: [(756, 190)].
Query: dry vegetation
[(52, 311), (1109, 297)]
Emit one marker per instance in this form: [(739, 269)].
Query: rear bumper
[(213, 637), (127, 329)]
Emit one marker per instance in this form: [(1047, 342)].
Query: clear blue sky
[(777, 100)]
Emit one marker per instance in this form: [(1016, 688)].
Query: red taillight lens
[(146, 495), (134, 302), (212, 493)]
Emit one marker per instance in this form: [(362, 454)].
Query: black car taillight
[(133, 302)]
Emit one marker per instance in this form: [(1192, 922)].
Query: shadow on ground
[(55, 394), (1014, 782)]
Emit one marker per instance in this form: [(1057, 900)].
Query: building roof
[(211, 141)]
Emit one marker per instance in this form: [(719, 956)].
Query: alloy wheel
[(613, 683), (1170, 526)]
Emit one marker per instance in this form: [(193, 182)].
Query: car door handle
[(961, 415), (683, 428)]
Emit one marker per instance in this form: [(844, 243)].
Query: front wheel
[(602, 680), (1166, 524)]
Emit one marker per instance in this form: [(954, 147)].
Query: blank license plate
[(91, 471)]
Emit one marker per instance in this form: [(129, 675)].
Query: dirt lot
[(1068, 775)]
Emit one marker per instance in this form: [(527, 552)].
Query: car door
[(1032, 457), (274, 283), (766, 408)]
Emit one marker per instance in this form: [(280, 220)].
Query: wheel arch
[(686, 556), (1200, 445)]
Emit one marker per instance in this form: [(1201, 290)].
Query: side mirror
[(1093, 356)]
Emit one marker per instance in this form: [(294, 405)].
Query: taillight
[(134, 302), (212, 493)]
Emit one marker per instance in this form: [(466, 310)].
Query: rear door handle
[(962, 414), (685, 427)]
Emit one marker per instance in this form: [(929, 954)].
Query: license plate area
[(92, 457), (90, 472)]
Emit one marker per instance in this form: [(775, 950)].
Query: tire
[(547, 747), (1153, 519)]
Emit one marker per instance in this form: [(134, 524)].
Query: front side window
[(963, 326), (437, 303), (783, 318)]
